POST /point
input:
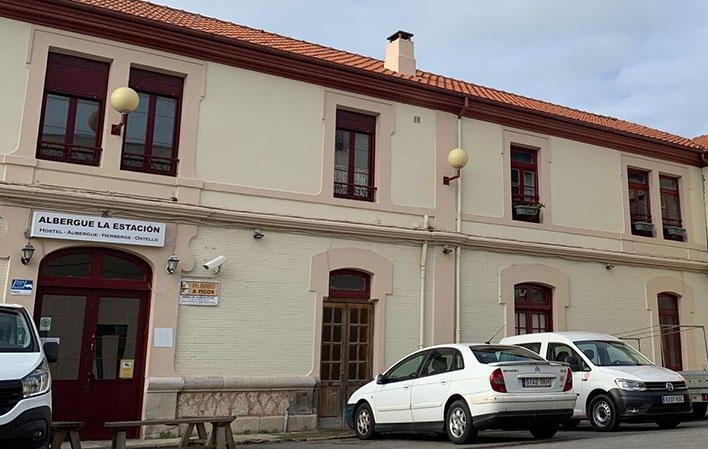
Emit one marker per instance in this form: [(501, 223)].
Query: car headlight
[(38, 381), (630, 385)]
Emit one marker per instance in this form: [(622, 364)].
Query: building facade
[(319, 176)]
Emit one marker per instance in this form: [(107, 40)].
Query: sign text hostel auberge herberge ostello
[(93, 228)]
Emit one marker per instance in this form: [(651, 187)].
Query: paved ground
[(690, 435)]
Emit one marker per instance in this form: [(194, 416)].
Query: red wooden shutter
[(156, 83), (77, 77)]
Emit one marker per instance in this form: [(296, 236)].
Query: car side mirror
[(51, 351), (380, 379)]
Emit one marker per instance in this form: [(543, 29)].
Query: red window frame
[(155, 85), (364, 294), (77, 79), (525, 309), (355, 123), (634, 189), (518, 192), (671, 353), (670, 205)]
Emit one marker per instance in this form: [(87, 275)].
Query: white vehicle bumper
[(30, 420), (509, 410)]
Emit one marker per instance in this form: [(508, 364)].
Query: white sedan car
[(461, 389)]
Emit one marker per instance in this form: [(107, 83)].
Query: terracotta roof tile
[(217, 27)]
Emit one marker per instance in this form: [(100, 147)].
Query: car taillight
[(496, 380), (568, 380)]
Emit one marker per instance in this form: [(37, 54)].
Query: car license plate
[(672, 399), (536, 382)]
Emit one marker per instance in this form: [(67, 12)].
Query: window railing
[(62, 152), (149, 164), (354, 191)]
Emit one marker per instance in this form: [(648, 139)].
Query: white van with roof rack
[(614, 382), (25, 382)]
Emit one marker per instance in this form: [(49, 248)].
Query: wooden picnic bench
[(221, 436), (63, 430)]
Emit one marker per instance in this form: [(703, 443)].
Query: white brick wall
[(265, 319), (601, 300)]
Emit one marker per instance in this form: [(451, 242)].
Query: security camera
[(214, 265)]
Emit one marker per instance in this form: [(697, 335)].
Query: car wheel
[(364, 422), (544, 432), (569, 424), (458, 423), (668, 423), (603, 414), (699, 410)]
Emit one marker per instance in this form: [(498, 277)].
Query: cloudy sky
[(641, 60)]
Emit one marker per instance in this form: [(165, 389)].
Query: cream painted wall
[(4, 266), (601, 300), (265, 319), (260, 130), (584, 179), (482, 188), (13, 80), (413, 157)]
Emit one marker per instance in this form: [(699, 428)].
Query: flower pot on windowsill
[(643, 226), (676, 231), (528, 210)]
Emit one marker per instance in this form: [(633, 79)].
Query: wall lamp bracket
[(448, 179), (116, 129)]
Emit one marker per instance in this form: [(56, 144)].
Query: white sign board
[(195, 292), (91, 228), (21, 287), (164, 337)]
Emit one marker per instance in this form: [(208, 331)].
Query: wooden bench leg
[(58, 438), (184, 442), (230, 437), (119, 438), (74, 440), (201, 431)]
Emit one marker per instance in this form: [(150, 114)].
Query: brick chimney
[(399, 53)]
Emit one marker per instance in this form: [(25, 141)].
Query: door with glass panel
[(94, 303), (346, 350)]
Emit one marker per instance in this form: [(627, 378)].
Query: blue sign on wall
[(21, 287)]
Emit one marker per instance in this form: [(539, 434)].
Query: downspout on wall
[(458, 230), (423, 266)]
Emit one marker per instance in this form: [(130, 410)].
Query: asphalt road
[(688, 435)]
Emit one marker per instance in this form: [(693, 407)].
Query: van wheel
[(603, 414), (364, 422), (668, 423), (699, 410), (569, 424), (544, 432), (458, 423)]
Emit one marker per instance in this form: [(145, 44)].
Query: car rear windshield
[(15, 332), (494, 354)]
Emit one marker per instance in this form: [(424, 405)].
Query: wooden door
[(346, 357), (97, 304), (670, 332)]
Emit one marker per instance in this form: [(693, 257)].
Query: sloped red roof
[(223, 29)]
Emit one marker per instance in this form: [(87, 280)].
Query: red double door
[(96, 302)]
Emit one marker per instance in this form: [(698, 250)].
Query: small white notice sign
[(92, 228), (45, 323), (194, 292), (164, 337)]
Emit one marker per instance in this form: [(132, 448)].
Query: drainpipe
[(423, 263), (458, 229)]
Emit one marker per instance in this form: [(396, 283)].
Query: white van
[(25, 382), (614, 382)]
